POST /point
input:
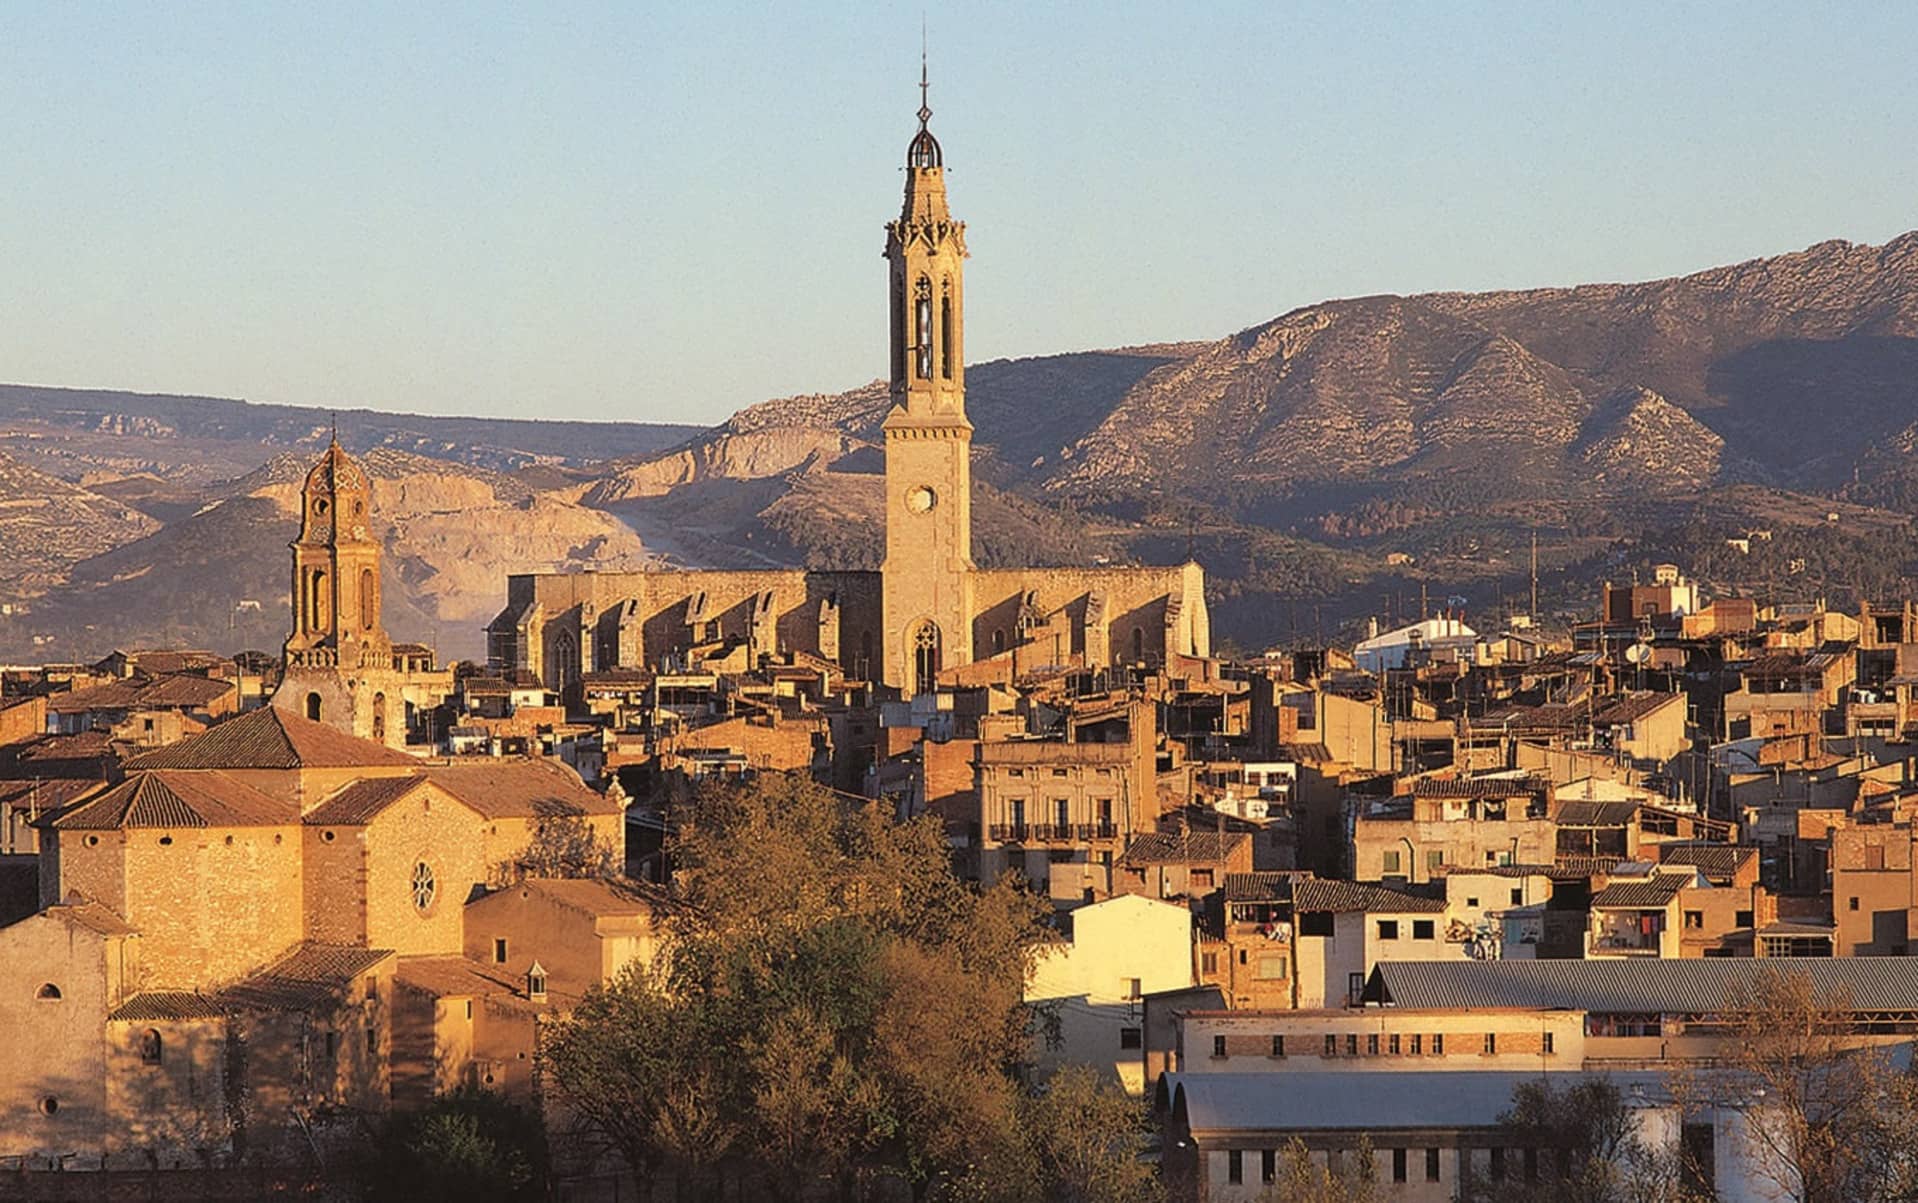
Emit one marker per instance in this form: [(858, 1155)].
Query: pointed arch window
[(925, 656), (945, 331), (369, 603), (899, 303), (922, 327)]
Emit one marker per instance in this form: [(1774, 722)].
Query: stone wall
[(213, 903)]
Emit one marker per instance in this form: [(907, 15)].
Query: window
[(1278, 1045), (1694, 920), (1518, 897), (1853, 904), (1351, 1044), (1388, 929), (1062, 812), (1208, 962), (1315, 923), (1434, 859), (536, 983), (1235, 1166), (1471, 902), (1417, 1041), (499, 951), (48, 992), (1202, 879), (1129, 1038), (1389, 862), (332, 1045), (372, 1039), (1742, 919), (1372, 1044), (1218, 1046), (151, 1047), (425, 888), (1128, 987), (1438, 1044), (1431, 1165), (945, 332), (1392, 1044), (1545, 1043), (1058, 772), (1398, 1165), (1421, 929), (1331, 1045), (1491, 1042), (922, 328), (49, 1105), (1273, 967), (313, 706)]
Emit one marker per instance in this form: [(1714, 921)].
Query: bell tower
[(928, 569), (336, 572)]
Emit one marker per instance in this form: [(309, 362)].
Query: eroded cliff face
[(48, 525)]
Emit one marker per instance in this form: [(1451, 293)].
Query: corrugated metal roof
[(271, 738), (1314, 894), (1366, 1100), (1644, 987)]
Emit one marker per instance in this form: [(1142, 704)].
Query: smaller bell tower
[(927, 575), (336, 571)]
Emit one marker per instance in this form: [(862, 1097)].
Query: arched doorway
[(925, 656)]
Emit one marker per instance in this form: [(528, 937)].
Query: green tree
[(834, 1009), (561, 846), (469, 1147), (1087, 1135), (1349, 1177)]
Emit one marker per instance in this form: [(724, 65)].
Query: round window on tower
[(319, 505), (921, 500)]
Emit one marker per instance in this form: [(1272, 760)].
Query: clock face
[(921, 499)]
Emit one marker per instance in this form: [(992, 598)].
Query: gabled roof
[(271, 738), (1637, 986), (311, 975), (1478, 787), (1265, 886), (1595, 814), (458, 977), (1157, 847), (1315, 894), (359, 803), (516, 789), (163, 799)]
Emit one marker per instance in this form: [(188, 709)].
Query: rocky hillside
[(1333, 461)]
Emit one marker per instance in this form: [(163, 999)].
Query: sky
[(664, 212)]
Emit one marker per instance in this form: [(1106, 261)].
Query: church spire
[(924, 150)]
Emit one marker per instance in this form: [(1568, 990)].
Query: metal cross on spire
[(925, 109)]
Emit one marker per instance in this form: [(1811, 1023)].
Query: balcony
[(1052, 833)]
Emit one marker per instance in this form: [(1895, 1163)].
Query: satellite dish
[(1638, 653)]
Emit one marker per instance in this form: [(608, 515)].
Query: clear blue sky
[(668, 211)]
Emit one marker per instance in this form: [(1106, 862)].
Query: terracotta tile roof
[(161, 799), (172, 692), (1346, 897), (1702, 986), (597, 897), (271, 738), (1569, 867), (1630, 707), (359, 803), (1718, 862), (1477, 787), (167, 1004), (313, 975), (1653, 893), (1595, 814), (46, 796), (1158, 847), (514, 789), (95, 917), (1261, 887), (454, 977)]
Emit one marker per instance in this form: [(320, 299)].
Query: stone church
[(929, 609)]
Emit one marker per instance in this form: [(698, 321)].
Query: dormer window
[(536, 983)]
